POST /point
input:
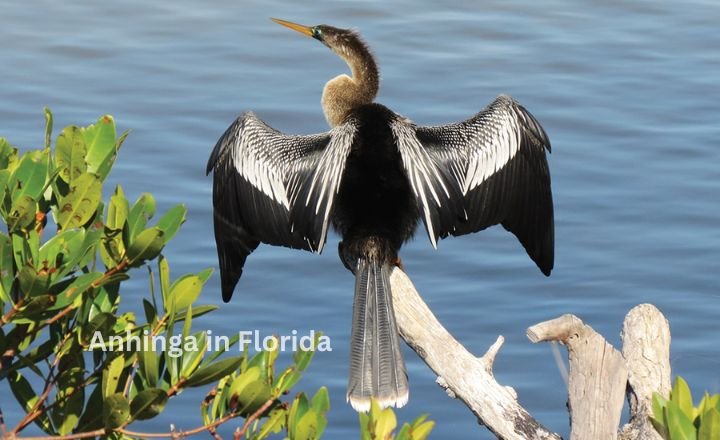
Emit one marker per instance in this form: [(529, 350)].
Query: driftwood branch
[(596, 399), (463, 375), (646, 348), (599, 374)]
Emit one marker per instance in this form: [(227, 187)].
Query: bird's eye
[(317, 33)]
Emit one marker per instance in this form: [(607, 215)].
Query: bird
[(373, 177)]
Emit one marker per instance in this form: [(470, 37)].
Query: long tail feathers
[(377, 368)]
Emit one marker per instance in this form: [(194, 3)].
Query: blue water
[(627, 91)]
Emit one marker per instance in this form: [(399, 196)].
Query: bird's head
[(340, 41), (342, 94)]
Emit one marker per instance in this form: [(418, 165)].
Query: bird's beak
[(305, 30)]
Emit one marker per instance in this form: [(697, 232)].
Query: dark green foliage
[(63, 260)]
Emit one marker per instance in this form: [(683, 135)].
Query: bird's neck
[(343, 93)]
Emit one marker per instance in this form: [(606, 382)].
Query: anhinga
[(372, 176)]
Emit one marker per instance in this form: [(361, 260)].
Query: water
[(627, 91)]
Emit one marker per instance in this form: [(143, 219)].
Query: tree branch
[(467, 377), (597, 376)]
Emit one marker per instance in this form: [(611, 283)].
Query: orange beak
[(305, 30)]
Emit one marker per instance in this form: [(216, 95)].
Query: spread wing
[(273, 188), (496, 162)]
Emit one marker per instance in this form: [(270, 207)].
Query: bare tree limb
[(646, 348), (597, 376), (463, 375)]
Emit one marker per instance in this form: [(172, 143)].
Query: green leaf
[(658, 407), (164, 272), (8, 155), (111, 375), (307, 428), (61, 250), (213, 372), (420, 429), (196, 312), (70, 396), (32, 283), (146, 246), (27, 398), (70, 154), (148, 403), (79, 255), (48, 127), (185, 291), (299, 407), (710, 425), (81, 203), (385, 421), (679, 425), (253, 396), (29, 177), (75, 289), (22, 213), (682, 397), (274, 423), (4, 199), (6, 268), (142, 211), (101, 146), (171, 221), (118, 210), (321, 400), (116, 411)]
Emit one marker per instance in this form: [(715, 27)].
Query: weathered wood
[(646, 348), (599, 374), (597, 377), (463, 375)]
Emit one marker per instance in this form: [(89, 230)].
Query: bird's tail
[(377, 368)]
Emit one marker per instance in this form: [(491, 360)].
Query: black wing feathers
[(267, 188), (497, 161)]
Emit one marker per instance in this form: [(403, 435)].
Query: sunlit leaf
[(22, 213), (682, 397), (70, 395), (273, 424), (118, 210), (710, 425), (70, 154), (101, 146), (213, 372), (299, 407), (29, 177), (8, 155), (75, 289), (61, 250), (171, 221), (679, 425), (146, 245), (81, 203), (185, 291), (111, 375), (321, 400), (6, 268), (308, 427), (142, 211)]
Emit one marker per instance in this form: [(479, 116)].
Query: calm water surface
[(627, 91)]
